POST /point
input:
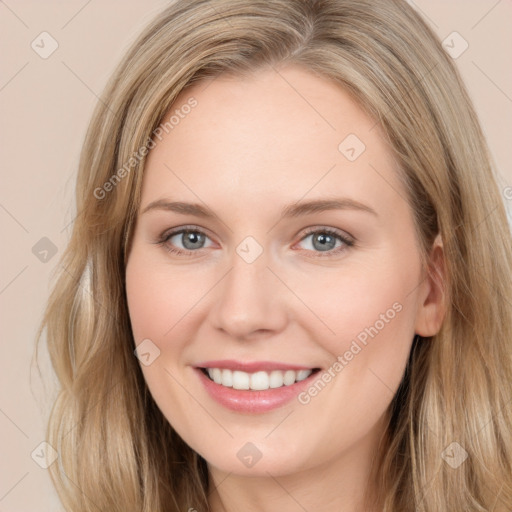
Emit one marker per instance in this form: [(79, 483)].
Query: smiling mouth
[(257, 381)]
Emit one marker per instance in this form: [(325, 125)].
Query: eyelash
[(166, 236)]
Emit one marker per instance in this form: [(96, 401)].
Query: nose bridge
[(246, 300)]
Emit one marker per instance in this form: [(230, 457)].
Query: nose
[(250, 301)]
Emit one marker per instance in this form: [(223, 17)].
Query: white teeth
[(227, 378), (276, 379), (289, 377), (241, 380), (303, 374), (258, 381), (217, 375)]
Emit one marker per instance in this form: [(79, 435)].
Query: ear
[(432, 294)]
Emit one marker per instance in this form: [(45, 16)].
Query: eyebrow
[(292, 210)]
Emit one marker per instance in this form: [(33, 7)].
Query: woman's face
[(300, 264)]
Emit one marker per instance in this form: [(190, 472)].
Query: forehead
[(279, 134)]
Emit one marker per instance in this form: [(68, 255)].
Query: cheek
[(369, 314), (352, 302), (158, 312), (148, 306), (158, 300), (372, 314)]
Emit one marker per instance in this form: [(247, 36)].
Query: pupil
[(326, 242), (192, 239)]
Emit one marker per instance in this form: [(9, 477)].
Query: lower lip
[(250, 401)]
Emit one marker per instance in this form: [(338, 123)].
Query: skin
[(250, 147)]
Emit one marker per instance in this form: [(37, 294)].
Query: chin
[(257, 460)]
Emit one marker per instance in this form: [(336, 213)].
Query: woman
[(288, 210)]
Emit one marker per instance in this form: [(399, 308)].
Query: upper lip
[(251, 366)]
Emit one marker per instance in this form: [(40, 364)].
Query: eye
[(190, 238), (327, 240), (323, 241)]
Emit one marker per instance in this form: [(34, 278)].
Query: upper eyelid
[(177, 231)]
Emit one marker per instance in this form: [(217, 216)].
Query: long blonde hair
[(117, 451)]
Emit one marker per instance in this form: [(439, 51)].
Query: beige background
[(46, 105)]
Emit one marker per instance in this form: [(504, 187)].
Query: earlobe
[(432, 305)]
